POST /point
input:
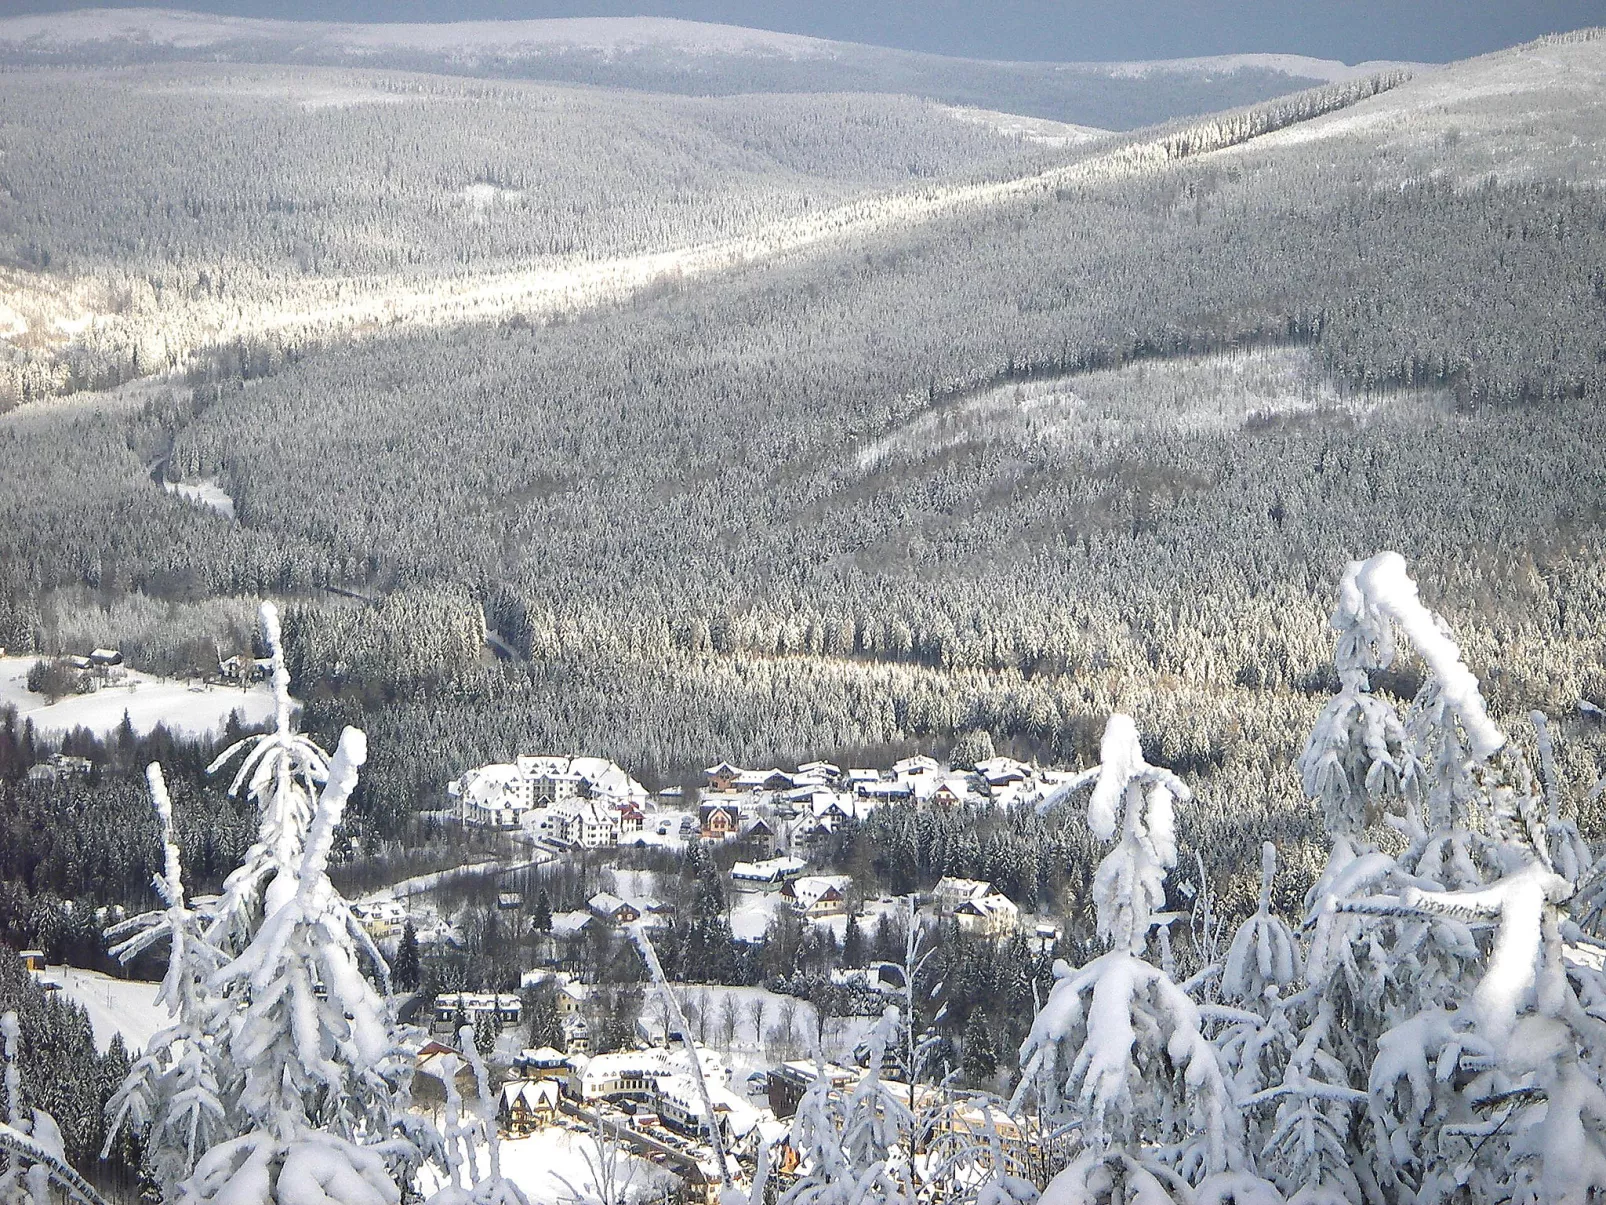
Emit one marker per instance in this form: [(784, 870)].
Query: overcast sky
[(1352, 30)]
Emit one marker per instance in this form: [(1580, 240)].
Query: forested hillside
[(1086, 446), (149, 214)]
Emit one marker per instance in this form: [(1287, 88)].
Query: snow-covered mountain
[(663, 54)]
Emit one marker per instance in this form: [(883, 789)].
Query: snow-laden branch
[(1387, 586), (20, 1146), (678, 1019)]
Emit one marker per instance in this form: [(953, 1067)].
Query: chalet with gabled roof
[(607, 907), (817, 896), (528, 1105), (722, 778), (717, 821)]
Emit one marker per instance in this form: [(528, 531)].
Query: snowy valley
[(619, 611)]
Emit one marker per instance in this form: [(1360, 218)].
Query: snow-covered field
[(115, 1006), (147, 701), (556, 1164), (1111, 408), (1028, 129), (207, 493), (1515, 114)]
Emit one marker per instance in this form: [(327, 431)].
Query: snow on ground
[(115, 1006), (207, 493), (1532, 109), (662, 829), (1028, 129), (637, 886), (756, 1028), (421, 884), (147, 701), (768, 1028), (503, 39), (1298, 65), (751, 912), (555, 1166), (1116, 407)]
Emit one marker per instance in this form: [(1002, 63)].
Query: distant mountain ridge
[(687, 57)]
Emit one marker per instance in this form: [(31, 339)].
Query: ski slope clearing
[(115, 1006), (207, 493), (1115, 408), (147, 701)]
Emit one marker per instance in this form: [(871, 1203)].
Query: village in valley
[(581, 1046)]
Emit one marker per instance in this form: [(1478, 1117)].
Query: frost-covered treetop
[(1129, 887), (283, 770), (1363, 759)]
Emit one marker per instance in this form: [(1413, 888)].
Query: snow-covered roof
[(535, 1093), (491, 786), (652, 1062), (471, 1000), (957, 785), (993, 903), (605, 903), (949, 887), (809, 889), (543, 1056), (999, 770), (543, 766), (683, 1091), (768, 871), (568, 924)]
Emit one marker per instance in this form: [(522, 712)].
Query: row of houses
[(918, 777)]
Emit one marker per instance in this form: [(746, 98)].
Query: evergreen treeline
[(73, 848), (61, 1070)]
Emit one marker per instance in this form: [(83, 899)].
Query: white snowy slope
[(194, 31), (1533, 111), (1039, 130), (180, 30), (115, 1006), (146, 700), (1298, 65)]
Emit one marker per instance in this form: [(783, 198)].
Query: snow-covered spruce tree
[(1118, 1048), (1294, 1090), (282, 1079), (307, 1050), (282, 770), (854, 1148), (170, 1097), (1483, 1094)]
